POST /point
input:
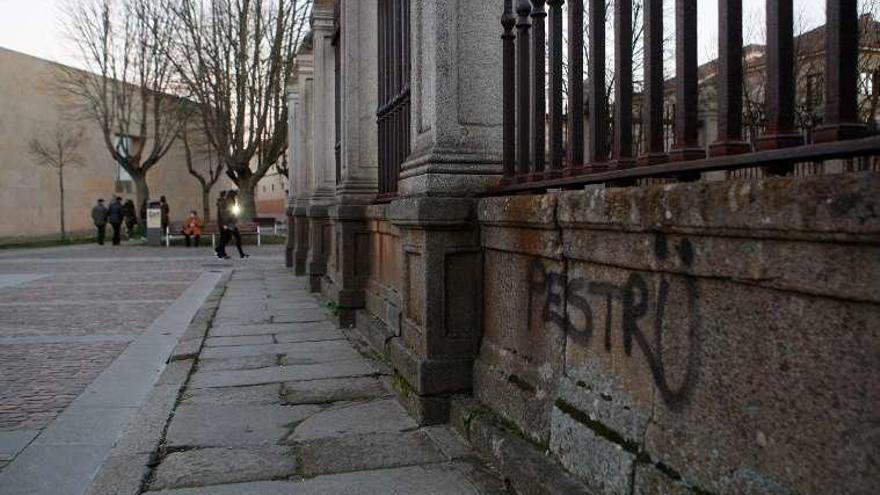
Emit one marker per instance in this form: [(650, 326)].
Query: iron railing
[(393, 113), (610, 158)]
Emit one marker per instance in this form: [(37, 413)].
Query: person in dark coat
[(129, 216), (232, 222), (99, 217), (220, 250), (115, 216), (166, 214)]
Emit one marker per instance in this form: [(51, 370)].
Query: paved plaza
[(151, 370)]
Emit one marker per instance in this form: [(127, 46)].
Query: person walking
[(232, 211), (99, 217), (129, 216), (193, 228), (115, 216), (220, 250), (166, 214)]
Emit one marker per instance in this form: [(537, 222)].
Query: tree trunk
[(142, 193), (206, 204), (61, 198), (246, 198)]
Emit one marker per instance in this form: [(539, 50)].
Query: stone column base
[(301, 240), (319, 246)]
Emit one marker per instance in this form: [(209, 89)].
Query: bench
[(175, 230), (269, 222)]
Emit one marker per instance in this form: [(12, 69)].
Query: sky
[(35, 27)]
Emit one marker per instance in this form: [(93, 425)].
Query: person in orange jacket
[(192, 227)]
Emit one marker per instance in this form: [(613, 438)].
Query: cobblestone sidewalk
[(279, 402)]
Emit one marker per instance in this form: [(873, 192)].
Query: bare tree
[(207, 175), (127, 87), (58, 150), (234, 58)]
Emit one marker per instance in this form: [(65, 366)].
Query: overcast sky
[(35, 26)]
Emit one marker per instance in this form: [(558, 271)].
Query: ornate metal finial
[(523, 9), (508, 18)]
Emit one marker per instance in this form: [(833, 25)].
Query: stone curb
[(519, 461), (130, 461)]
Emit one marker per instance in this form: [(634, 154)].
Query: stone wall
[(691, 338), (383, 288)]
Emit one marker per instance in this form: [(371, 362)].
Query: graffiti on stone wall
[(573, 303)]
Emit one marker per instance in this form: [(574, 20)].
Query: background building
[(32, 105)]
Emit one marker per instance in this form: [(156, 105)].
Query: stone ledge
[(519, 461), (788, 207)]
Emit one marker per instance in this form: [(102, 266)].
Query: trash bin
[(154, 223)]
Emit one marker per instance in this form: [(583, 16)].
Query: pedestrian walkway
[(278, 401)]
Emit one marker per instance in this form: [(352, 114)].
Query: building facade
[(31, 106), (588, 331)]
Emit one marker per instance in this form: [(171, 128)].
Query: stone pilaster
[(293, 145), (456, 98), (456, 153), (347, 268), (323, 178), (302, 155)]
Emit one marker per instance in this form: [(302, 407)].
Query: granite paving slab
[(235, 378), (216, 466), (234, 425)]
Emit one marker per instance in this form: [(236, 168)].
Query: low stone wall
[(691, 338)]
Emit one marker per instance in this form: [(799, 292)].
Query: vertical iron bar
[(555, 86), (841, 72), (730, 81), (623, 87), (598, 140), (523, 79), (780, 92), (652, 94), (508, 73), (686, 83), (576, 83), (539, 86)]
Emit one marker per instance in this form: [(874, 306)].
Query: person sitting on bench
[(192, 227)]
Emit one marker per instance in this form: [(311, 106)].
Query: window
[(125, 146), (866, 83), (815, 91)]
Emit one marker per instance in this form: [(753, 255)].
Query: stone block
[(332, 390), (366, 452), (377, 416), (234, 425), (227, 396), (217, 466)]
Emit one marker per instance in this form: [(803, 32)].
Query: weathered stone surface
[(234, 425), (337, 369), (239, 340), (121, 474), (378, 416), (176, 372), (218, 466), (223, 396), (332, 390), (144, 431), (434, 479), (449, 441), (519, 461), (366, 452), (723, 332), (292, 348), (239, 363), (605, 465), (233, 330)]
